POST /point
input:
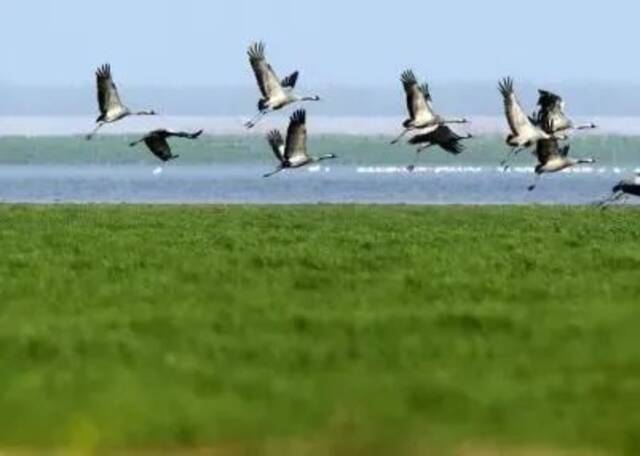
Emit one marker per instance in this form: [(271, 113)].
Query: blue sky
[(346, 42)]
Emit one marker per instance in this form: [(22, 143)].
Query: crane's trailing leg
[(614, 198), (95, 130), (273, 173), (253, 122), (402, 135), (535, 183), (505, 163), (412, 166)]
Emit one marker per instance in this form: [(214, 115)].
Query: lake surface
[(241, 184), (229, 169)]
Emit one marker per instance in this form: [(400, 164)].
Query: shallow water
[(239, 184)]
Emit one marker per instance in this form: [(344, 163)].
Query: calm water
[(336, 184), (228, 169)]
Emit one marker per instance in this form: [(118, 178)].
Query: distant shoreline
[(318, 125)]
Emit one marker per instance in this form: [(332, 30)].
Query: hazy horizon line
[(318, 125), (338, 85), (479, 98)]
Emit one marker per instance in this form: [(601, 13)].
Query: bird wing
[(296, 148), (449, 140), (277, 144), (518, 121), (424, 88), (548, 100), (418, 98), (554, 121), (108, 98), (547, 149), (265, 76), (290, 81), (184, 134), (552, 118), (442, 136), (424, 138), (158, 145)]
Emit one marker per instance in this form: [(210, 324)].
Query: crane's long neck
[(307, 98), (455, 120), (588, 126), (582, 161), (145, 113), (326, 157), (135, 143)]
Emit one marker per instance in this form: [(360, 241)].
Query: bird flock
[(545, 133)]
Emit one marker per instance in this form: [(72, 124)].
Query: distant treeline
[(465, 98), (240, 150)]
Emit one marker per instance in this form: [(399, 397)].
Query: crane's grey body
[(420, 107), (622, 190), (293, 153), (157, 142), (276, 94), (524, 132), (441, 136), (111, 107), (552, 158), (629, 186), (552, 118)]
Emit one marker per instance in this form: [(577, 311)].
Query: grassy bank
[(139, 327)]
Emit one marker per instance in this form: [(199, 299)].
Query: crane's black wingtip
[(256, 50), (274, 136), (104, 71), (300, 116), (506, 86), (408, 77)]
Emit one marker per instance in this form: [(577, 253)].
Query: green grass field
[(320, 330)]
